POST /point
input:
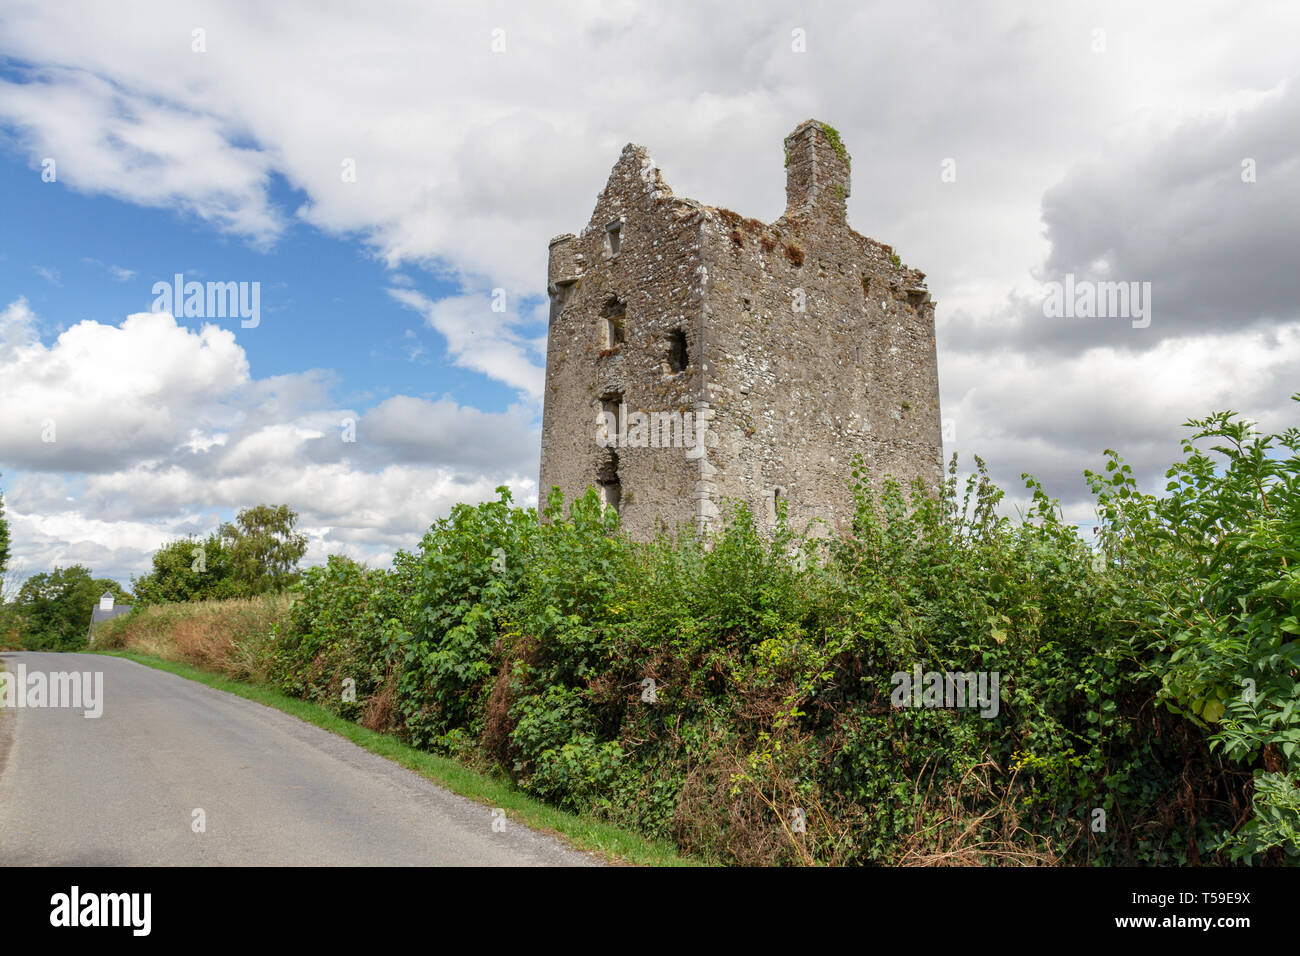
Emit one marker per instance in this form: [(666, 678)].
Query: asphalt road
[(122, 789)]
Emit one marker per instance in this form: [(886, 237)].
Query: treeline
[(51, 611), (258, 553), (740, 696), (8, 623)]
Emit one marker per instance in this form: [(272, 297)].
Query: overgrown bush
[(739, 693), (1210, 579), (468, 573), (336, 647)]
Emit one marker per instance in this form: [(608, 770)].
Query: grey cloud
[(1219, 253)]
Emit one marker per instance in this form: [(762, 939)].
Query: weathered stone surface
[(786, 348)]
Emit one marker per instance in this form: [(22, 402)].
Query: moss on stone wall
[(837, 143)]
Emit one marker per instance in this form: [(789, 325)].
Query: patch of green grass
[(585, 833)]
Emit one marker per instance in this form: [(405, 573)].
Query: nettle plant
[(1211, 574)]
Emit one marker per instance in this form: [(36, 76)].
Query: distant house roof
[(99, 614)]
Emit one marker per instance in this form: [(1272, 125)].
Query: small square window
[(561, 291)]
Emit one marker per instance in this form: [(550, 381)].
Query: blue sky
[(1096, 139), (323, 298)]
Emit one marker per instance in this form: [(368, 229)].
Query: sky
[(386, 174)]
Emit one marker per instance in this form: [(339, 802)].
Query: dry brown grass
[(228, 636), (380, 708), (497, 724), (972, 823), (742, 808)]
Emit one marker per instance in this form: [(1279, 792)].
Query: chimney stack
[(816, 172)]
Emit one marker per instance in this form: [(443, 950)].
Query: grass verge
[(617, 845)]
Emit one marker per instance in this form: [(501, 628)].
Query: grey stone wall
[(650, 288), (804, 343)]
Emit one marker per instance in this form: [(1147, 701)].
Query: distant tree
[(256, 553), (8, 614), (264, 549), (4, 538), (189, 569), (54, 607)]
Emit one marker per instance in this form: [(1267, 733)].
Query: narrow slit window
[(613, 236), (611, 333), (609, 406), (778, 496), (678, 358), (609, 485)]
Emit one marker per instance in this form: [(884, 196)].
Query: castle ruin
[(696, 356)]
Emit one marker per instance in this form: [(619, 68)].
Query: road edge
[(614, 845), (6, 725)]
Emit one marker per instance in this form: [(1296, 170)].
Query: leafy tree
[(55, 606), (257, 553), (189, 569), (264, 549), (4, 538)]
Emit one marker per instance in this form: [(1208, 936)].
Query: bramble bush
[(344, 624), (1211, 584), (467, 575), (733, 693)]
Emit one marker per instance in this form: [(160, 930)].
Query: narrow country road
[(122, 789)]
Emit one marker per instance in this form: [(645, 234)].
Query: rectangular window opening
[(774, 504), (611, 495), (609, 486), (678, 358), (607, 425), (560, 291), (612, 313)]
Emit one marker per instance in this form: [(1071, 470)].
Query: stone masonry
[(696, 357)]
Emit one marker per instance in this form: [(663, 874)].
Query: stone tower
[(695, 356)]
